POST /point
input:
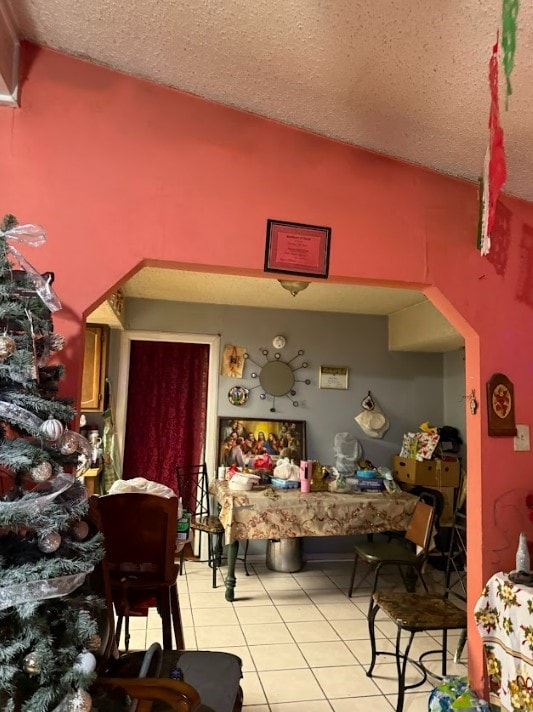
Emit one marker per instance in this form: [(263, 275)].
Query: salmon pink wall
[(121, 171)]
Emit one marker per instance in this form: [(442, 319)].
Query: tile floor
[(303, 642)]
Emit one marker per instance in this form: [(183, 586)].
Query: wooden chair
[(144, 681), (397, 552), (193, 487), (140, 538)]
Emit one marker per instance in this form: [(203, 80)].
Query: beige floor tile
[(280, 584), (290, 686), (342, 681), (185, 601), (317, 583), (385, 676), (361, 649), (256, 708), (305, 612), (219, 636), (413, 702), (290, 597), (186, 617), (353, 630), (258, 614), (139, 622), (201, 584), (340, 611), (245, 597), (252, 689), (211, 599), (389, 629), (155, 635), (321, 597), (224, 615), (137, 640), (242, 652), (261, 634), (362, 704), (311, 632), (329, 654), (281, 656), (310, 706), (253, 583)]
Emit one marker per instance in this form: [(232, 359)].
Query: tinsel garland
[(60, 410)]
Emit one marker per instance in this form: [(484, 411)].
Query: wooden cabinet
[(94, 368)]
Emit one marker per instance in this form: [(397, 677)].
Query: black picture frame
[(289, 434), (297, 249)]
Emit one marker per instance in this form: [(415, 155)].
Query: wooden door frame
[(211, 425)]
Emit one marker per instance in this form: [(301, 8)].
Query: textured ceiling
[(404, 77), (207, 288)]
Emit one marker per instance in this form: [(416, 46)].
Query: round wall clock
[(278, 342)]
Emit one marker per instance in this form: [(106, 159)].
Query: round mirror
[(276, 378)]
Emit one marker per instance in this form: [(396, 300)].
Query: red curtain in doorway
[(167, 402)]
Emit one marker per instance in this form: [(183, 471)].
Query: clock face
[(278, 342)]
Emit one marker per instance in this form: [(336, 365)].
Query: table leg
[(233, 550)]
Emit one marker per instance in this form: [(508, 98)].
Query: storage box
[(428, 473)]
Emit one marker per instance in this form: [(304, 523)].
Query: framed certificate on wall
[(333, 377)]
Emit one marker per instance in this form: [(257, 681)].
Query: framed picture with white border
[(333, 377)]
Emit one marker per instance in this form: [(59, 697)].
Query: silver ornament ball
[(48, 543), (32, 663), (51, 428), (80, 701), (42, 472), (7, 347)]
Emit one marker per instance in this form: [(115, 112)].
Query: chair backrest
[(193, 483), (420, 529), (139, 532)]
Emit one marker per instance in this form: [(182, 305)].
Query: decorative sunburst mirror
[(277, 378)]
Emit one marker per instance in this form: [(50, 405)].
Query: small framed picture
[(294, 248), (333, 377)]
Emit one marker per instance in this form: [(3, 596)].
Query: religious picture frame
[(333, 377), (276, 438), (500, 406), (297, 249)]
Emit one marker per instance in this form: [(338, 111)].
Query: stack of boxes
[(440, 475)]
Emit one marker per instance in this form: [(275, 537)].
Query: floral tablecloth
[(279, 514), (504, 617)]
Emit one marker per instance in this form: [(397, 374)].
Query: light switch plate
[(521, 440)]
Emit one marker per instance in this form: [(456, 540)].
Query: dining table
[(504, 618), (266, 512)]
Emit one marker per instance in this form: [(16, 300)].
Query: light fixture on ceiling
[(293, 286)]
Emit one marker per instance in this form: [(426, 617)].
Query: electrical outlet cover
[(521, 440)]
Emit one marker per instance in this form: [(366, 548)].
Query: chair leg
[(401, 666), (127, 633), (374, 608), (444, 652), (460, 647), (218, 550), (211, 557), (176, 618), (244, 557), (352, 580), (164, 612), (118, 629)]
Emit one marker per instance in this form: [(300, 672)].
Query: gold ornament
[(32, 663), (42, 472), (48, 543), (51, 429), (80, 530), (68, 443), (7, 347)]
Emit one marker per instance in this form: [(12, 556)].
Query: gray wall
[(455, 403)]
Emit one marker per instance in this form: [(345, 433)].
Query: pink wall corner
[(121, 171)]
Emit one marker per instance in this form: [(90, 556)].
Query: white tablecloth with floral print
[(504, 616)]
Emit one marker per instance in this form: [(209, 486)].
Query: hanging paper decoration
[(495, 172), (509, 16)]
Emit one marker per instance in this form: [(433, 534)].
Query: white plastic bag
[(142, 486), (286, 470), (347, 450)]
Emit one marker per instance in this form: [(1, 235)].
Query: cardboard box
[(428, 473), (448, 495)]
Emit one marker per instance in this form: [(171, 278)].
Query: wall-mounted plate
[(238, 395)]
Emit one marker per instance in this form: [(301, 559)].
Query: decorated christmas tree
[(47, 621)]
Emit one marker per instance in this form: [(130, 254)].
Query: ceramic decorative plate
[(238, 395)]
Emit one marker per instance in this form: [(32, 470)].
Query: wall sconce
[(293, 286)]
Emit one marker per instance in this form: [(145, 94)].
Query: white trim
[(213, 342), (11, 96)]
